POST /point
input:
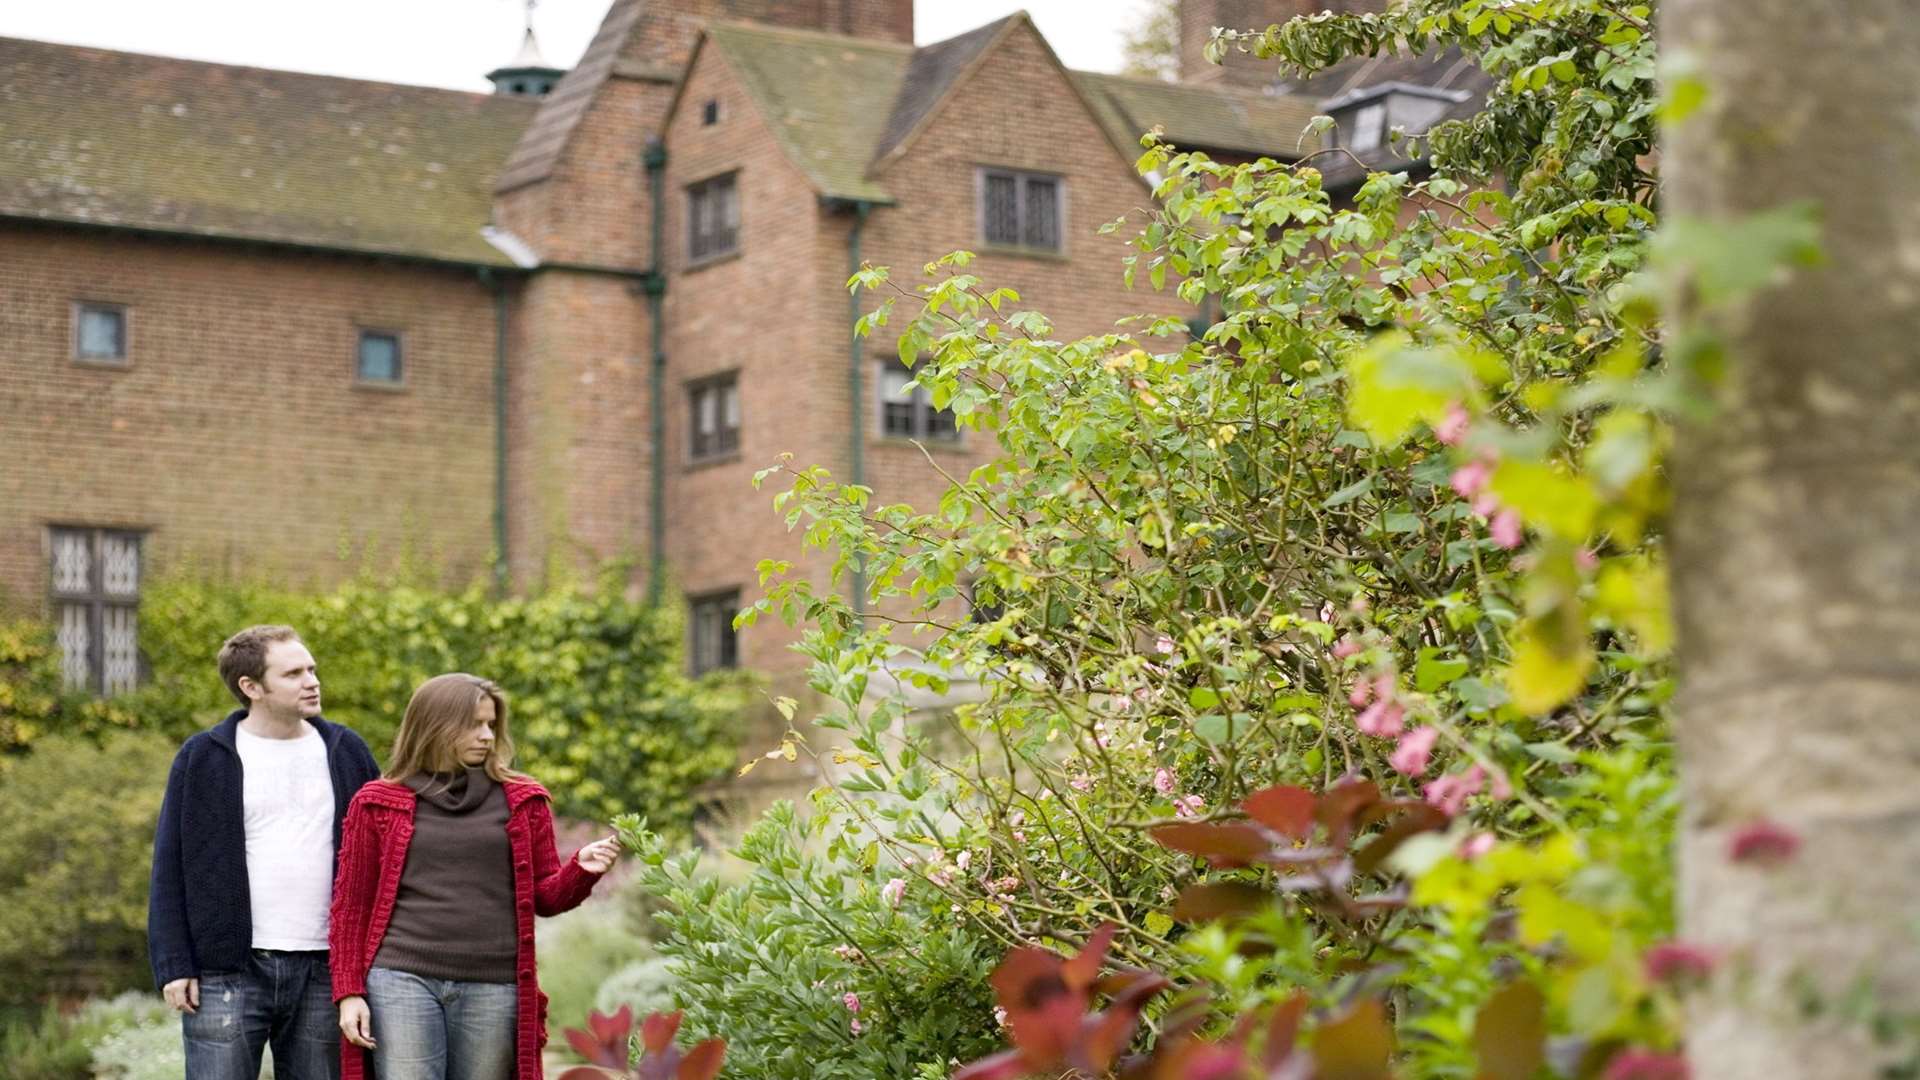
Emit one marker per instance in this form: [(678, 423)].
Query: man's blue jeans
[(440, 1029), (283, 1000)]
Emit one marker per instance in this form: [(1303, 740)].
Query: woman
[(444, 861)]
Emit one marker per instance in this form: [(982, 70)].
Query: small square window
[(1020, 210), (714, 645), (715, 416), (713, 218), (379, 359), (100, 333), (909, 413), (710, 112)]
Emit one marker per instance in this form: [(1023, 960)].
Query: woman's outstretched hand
[(356, 1023), (598, 856)]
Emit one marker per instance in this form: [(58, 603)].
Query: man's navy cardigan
[(199, 910)]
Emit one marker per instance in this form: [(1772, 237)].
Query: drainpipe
[(655, 286), (856, 365), (498, 286)]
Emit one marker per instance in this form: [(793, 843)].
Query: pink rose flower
[(1188, 806), (1451, 792), (1163, 781), (851, 1000), (1082, 782), (1471, 479), (893, 891), (1476, 845), (1453, 426), (1383, 718), (1345, 647), (854, 1025), (1506, 530), (1416, 747), (1163, 644)]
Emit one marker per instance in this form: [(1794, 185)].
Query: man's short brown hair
[(244, 656)]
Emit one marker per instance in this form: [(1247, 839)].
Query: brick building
[(280, 325)]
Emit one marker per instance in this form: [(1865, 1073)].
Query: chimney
[(1199, 17), (888, 20)]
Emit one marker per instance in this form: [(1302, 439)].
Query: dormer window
[(1362, 119), (1369, 126)]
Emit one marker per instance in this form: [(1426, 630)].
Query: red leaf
[(1084, 968), (612, 1030), (1285, 809), (594, 1050), (1104, 1035), (1283, 1030), (1510, 1034), (658, 1030), (703, 1061), (1006, 1065), (1418, 819), (1341, 802), (1042, 1011), (1232, 844), (1219, 900)]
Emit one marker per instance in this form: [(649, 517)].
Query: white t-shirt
[(288, 796)]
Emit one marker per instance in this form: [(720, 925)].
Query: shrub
[(817, 967), (644, 985), (1389, 525), (602, 710), (76, 835)]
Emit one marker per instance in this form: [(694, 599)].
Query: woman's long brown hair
[(440, 712)]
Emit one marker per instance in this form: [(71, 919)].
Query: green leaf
[(1430, 672), (1548, 498), (1349, 493)]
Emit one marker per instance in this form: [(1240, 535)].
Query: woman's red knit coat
[(373, 853)]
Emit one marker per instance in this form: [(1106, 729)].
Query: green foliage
[(1396, 514), (76, 835), (33, 700), (601, 709), (771, 962), (45, 1046), (579, 951)]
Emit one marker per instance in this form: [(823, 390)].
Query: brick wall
[(237, 434), (755, 313)]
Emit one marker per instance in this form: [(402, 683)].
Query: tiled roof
[(1200, 118), (931, 74), (540, 145), (111, 138), (827, 97)]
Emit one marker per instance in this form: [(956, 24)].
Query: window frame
[(1021, 178), (729, 440), (699, 605), (711, 112), (125, 313), (399, 381), (1379, 133), (923, 410), (728, 181), (96, 600)]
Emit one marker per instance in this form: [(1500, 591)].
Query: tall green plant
[(602, 710)]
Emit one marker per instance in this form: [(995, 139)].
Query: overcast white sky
[(455, 42)]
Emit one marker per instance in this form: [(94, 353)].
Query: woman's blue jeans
[(440, 1029)]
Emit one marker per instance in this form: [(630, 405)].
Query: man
[(243, 863)]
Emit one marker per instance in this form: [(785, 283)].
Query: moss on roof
[(1200, 118), (827, 98), (112, 138)]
